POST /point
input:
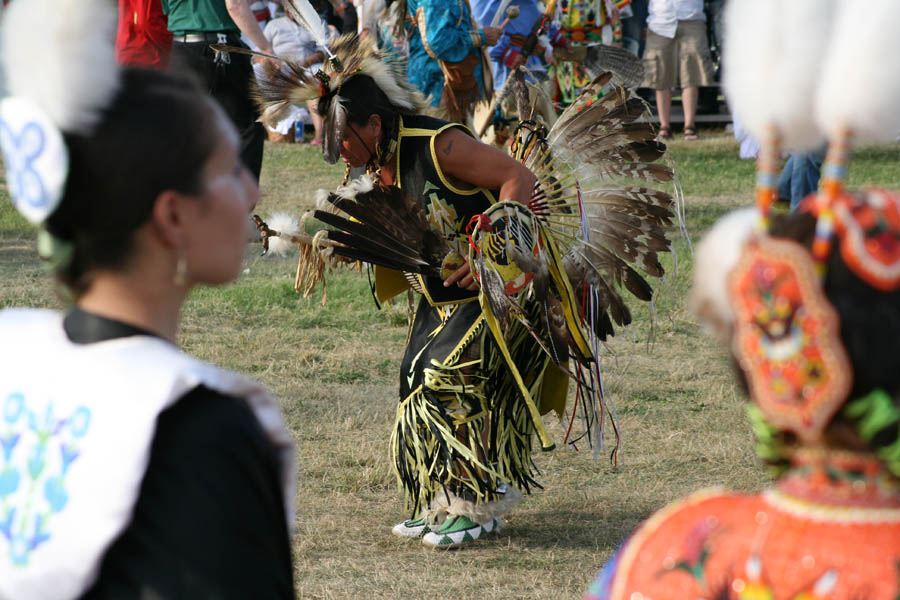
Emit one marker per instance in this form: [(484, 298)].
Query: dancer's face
[(221, 214), (359, 142)]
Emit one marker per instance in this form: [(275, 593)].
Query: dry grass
[(335, 370)]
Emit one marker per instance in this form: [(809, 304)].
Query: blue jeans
[(800, 176), (633, 28)]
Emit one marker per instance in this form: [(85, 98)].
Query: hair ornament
[(77, 80), (787, 337), (35, 156), (866, 225)]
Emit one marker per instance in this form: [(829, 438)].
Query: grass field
[(335, 370)]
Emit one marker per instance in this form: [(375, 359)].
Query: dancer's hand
[(463, 278), (491, 35)]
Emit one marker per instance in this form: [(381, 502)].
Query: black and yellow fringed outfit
[(461, 427), (480, 368)]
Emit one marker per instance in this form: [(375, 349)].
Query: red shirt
[(143, 38)]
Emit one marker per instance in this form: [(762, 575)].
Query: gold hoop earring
[(346, 175), (179, 279)]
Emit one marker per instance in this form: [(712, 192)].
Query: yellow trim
[(464, 341), (437, 165), (494, 326), (566, 294), (431, 300), (807, 509), (433, 133)]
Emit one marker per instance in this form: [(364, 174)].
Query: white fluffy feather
[(860, 87), (321, 198), (717, 255), (283, 223), (773, 63), (60, 54), (362, 184)]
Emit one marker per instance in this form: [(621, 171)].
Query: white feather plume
[(860, 86), (286, 224), (717, 255), (321, 198), (362, 184), (60, 54), (773, 59), (303, 12)]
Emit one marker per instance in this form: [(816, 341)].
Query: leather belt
[(211, 37)]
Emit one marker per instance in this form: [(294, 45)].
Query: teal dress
[(440, 30)]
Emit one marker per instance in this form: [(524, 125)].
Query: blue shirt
[(484, 11)]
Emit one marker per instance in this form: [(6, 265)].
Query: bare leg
[(317, 120), (664, 106), (689, 98)]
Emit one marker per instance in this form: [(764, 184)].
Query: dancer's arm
[(240, 13), (469, 163), (473, 164)]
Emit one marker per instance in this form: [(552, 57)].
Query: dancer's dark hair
[(156, 135), (363, 98)]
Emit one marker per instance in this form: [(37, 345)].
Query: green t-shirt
[(186, 16)]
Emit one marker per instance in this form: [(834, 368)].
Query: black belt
[(206, 37)]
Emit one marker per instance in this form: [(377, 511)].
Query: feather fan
[(60, 55), (612, 229), (383, 226), (860, 87), (625, 66)]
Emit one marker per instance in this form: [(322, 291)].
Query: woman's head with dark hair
[(764, 301), (158, 135), (869, 320)]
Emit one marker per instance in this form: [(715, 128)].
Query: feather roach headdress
[(349, 56)]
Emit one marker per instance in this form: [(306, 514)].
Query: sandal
[(664, 133), (690, 133)]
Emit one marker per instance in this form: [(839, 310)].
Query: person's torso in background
[(289, 39), (197, 15), (663, 15)]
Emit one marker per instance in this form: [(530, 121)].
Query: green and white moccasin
[(412, 528), (459, 531)]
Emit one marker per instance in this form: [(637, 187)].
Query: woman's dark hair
[(156, 135), (363, 98)]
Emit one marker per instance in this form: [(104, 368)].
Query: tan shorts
[(682, 61)]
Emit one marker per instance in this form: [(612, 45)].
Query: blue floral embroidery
[(38, 450), (19, 154)]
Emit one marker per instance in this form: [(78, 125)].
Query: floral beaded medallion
[(787, 337)]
